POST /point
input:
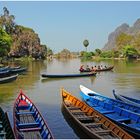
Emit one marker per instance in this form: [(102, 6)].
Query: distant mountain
[(124, 28)]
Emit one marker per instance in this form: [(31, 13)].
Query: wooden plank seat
[(22, 113), (73, 108), (30, 129), (32, 135), (78, 113), (28, 125), (103, 131), (93, 124), (103, 110), (88, 118)]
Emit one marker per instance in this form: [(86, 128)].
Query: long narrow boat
[(121, 113), (131, 99), (28, 121), (4, 68), (68, 75), (4, 73), (18, 70), (98, 70), (6, 131), (8, 79), (127, 99), (94, 124)]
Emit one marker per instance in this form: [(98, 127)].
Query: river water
[(45, 93)]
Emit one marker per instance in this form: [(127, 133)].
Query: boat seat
[(103, 110), (117, 118), (30, 129), (24, 113), (28, 125), (74, 108), (103, 131), (78, 113), (93, 124)]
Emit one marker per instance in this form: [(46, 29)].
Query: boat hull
[(99, 70), (6, 129), (122, 117), (68, 75), (88, 119), (28, 121), (8, 79)]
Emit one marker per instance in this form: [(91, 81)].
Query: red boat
[(28, 121)]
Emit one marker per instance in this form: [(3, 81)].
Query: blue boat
[(4, 73), (8, 79), (67, 75), (117, 111), (28, 121), (126, 99), (4, 68), (18, 70)]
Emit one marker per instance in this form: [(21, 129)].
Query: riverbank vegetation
[(17, 41)]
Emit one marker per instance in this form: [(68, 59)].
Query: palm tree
[(86, 43)]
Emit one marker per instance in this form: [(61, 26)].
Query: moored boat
[(6, 131), (28, 121), (115, 111), (67, 75), (4, 73), (94, 124), (128, 100), (98, 70), (18, 70), (8, 79)]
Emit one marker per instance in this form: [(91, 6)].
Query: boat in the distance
[(67, 75), (8, 79), (28, 121), (94, 124), (125, 115), (6, 131), (97, 70), (128, 100)]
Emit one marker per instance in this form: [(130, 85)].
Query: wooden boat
[(98, 70), (121, 113), (128, 100), (4, 73), (94, 124), (6, 131), (18, 70), (8, 79), (131, 99), (4, 68), (68, 75), (28, 121)]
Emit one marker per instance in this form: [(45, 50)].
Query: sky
[(66, 24)]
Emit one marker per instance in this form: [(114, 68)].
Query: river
[(45, 93)]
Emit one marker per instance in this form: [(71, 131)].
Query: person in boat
[(82, 68), (87, 68), (99, 68)]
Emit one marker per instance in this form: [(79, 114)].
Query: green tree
[(123, 39), (129, 51), (5, 43), (7, 21), (107, 54), (98, 52), (86, 43)]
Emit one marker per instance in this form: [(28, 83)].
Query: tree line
[(19, 41)]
